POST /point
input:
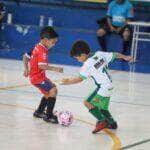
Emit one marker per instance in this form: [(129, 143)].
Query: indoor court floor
[(130, 106)]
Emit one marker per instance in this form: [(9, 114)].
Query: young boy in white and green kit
[(96, 67)]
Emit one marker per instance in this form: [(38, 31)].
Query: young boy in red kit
[(38, 60)]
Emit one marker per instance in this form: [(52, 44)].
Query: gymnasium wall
[(71, 24)]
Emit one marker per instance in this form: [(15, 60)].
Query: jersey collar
[(45, 48)]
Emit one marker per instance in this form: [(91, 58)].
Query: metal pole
[(136, 42), (133, 42)]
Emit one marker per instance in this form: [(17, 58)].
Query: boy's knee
[(55, 89), (85, 103), (88, 104), (126, 35), (101, 32), (52, 92)]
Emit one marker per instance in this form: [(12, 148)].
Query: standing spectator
[(119, 12), (2, 13)]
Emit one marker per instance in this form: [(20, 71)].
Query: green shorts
[(98, 100)]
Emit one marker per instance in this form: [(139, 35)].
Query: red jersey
[(39, 56)]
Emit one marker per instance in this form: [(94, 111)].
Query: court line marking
[(115, 139), (136, 144), (14, 86), (69, 96), (131, 64), (22, 85)]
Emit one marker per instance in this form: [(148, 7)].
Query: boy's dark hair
[(48, 32), (79, 47)]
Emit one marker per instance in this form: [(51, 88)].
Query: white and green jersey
[(97, 68)]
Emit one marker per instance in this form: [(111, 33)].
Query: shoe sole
[(48, 121), (98, 131)]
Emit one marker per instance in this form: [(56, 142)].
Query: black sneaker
[(113, 126), (39, 115), (52, 119), (100, 125)]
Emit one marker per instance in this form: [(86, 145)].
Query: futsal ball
[(65, 118)]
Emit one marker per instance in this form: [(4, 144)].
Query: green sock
[(108, 116), (97, 114)]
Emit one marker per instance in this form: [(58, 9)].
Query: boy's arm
[(124, 57), (51, 68), (71, 81), (26, 67)]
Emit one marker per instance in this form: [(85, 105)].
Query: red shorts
[(45, 86)]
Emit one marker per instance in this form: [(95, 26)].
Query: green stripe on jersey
[(114, 57)]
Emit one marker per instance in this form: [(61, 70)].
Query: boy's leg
[(101, 33), (103, 103), (39, 113), (110, 120), (51, 100), (96, 113), (102, 39), (93, 109), (126, 34), (50, 91)]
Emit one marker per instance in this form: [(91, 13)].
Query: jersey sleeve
[(42, 58), (130, 11), (84, 72), (29, 53), (108, 56)]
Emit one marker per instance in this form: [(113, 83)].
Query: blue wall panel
[(20, 38), (71, 24), (62, 16)]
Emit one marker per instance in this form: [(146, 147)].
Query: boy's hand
[(128, 58), (26, 73), (124, 57)]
